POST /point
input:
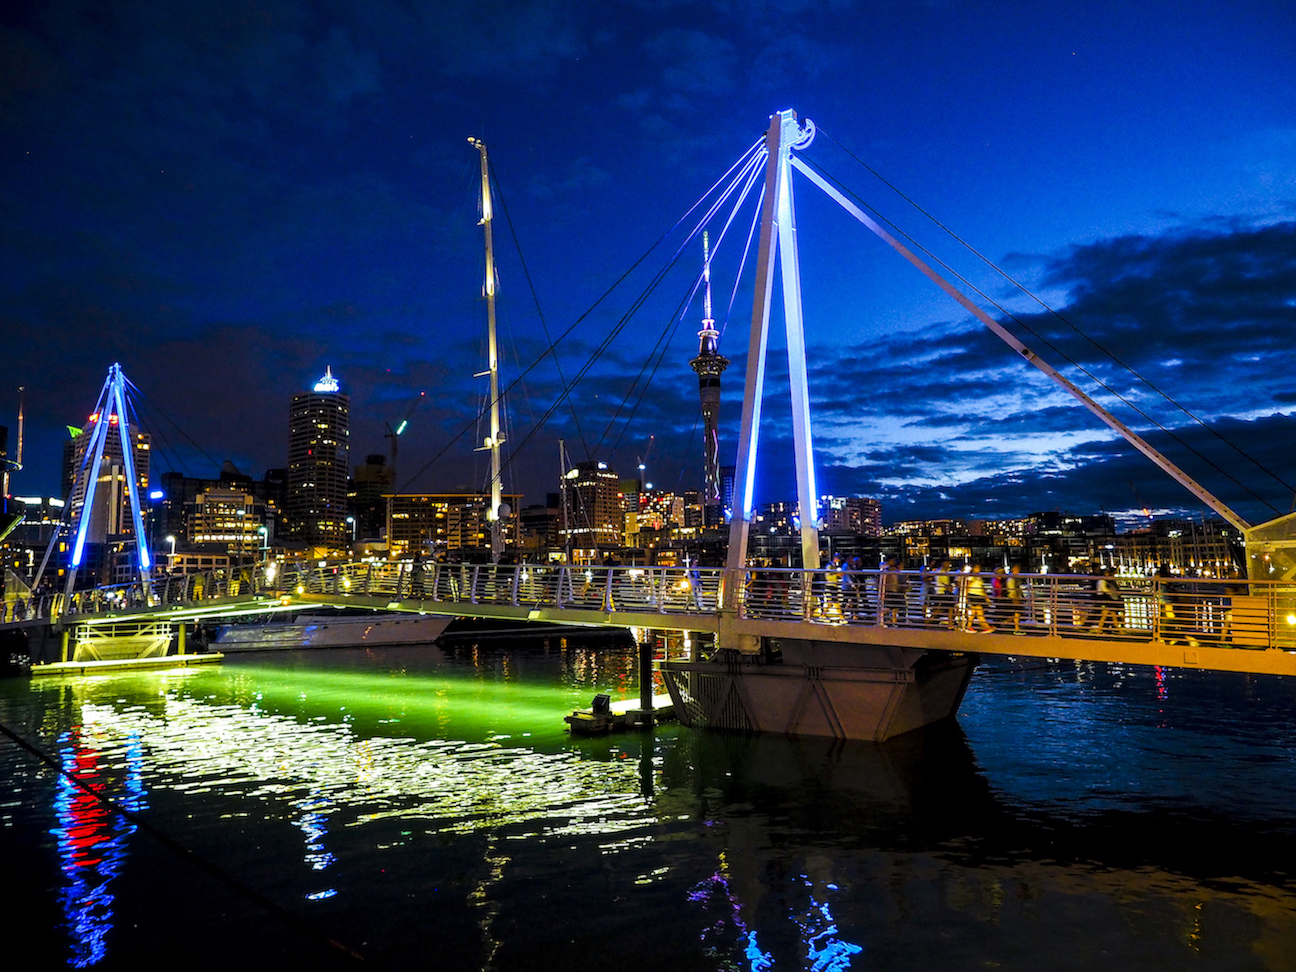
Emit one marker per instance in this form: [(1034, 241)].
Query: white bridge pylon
[(778, 225), (1268, 543)]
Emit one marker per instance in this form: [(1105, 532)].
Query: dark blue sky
[(227, 197)]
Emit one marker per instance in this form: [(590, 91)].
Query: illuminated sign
[(328, 384)]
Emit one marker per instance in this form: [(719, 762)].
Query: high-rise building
[(111, 515), (851, 514), (370, 482), (318, 463), (230, 519), (593, 516), (710, 365)]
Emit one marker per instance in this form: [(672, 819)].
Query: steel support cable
[(552, 349), (753, 174), (535, 298), (679, 480), (745, 176), (1042, 339), (147, 400), (664, 342), (742, 266), (635, 307), (299, 924), (163, 444), (1057, 314), (612, 334), (609, 337)]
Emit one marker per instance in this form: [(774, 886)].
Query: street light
[(352, 521), (171, 560)]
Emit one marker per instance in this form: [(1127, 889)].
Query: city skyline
[(279, 194)]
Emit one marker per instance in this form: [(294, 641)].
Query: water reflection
[(92, 838), (431, 807)]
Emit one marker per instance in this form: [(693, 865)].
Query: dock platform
[(123, 665), (624, 714)]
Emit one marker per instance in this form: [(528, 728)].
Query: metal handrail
[(1236, 613)]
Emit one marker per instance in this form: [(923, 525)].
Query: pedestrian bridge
[(1239, 626)]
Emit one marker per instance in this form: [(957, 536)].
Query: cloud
[(1205, 314)]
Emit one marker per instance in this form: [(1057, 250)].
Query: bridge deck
[(1220, 625)]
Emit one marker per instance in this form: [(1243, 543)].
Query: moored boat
[(331, 631)]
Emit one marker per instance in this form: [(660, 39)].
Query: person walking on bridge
[(695, 582), (975, 592), (418, 574)]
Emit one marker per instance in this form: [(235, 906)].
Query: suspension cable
[(1059, 316), (552, 349), (1040, 337), (535, 298)]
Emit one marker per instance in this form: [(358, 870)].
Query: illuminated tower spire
[(710, 365)]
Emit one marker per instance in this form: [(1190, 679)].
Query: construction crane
[(1147, 512), (393, 435)]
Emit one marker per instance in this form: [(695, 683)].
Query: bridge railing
[(1222, 612), (1187, 610)]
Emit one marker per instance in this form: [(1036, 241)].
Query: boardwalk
[(1223, 625)]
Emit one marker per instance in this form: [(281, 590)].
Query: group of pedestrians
[(964, 598), (972, 600)]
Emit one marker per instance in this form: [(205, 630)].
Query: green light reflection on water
[(457, 747), (422, 705)]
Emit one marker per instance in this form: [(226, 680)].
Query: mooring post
[(66, 633), (180, 640), (644, 717)]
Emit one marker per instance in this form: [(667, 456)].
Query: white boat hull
[(331, 632)]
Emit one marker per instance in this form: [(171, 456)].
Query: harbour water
[(422, 808)]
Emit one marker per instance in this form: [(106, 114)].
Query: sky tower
[(710, 365)]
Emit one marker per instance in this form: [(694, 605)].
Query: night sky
[(228, 197)]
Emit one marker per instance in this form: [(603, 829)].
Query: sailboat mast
[(488, 290)]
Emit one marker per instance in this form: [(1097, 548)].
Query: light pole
[(352, 521), (171, 560)]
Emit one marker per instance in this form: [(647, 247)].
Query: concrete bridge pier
[(820, 688)]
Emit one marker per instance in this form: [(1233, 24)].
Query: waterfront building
[(370, 482), (190, 562), (171, 513), (429, 523), (229, 520), (22, 548), (1211, 548), (318, 452), (851, 514), (540, 527), (593, 515)]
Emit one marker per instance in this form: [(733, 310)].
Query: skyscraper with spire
[(318, 434), (710, 365)]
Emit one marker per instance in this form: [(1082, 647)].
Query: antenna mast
[(493, 441)]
